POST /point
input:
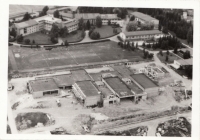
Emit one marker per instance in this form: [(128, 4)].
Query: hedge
[(91, 42)]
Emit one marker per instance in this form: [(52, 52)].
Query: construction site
[(119, 96)]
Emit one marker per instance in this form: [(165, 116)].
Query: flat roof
[(143, 80), (24, 24), (109, 16), (134, 87), (88, 88), (43, 85), (119, 86), (185, 61), (65, 79), (123, 70), (146, 32), (80, 75), (143, 16)]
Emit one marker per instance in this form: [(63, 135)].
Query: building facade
[(140, 35)]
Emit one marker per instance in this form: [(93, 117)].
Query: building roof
[(143, 16), (119, 87), (88, 88), (185, 61), (143, 80), (69, 15), (133, 86), (123, 70), (146, 32), (109, 16), (65, 79), (43, 85), (87, 15), (26, 24), (187, 49), (71, 23), (48, 18), (80, 75)]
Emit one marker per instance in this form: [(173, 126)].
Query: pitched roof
[(146, 32), (69, 15), (143, 16), (26, 24), (88, 88), (43, 85)]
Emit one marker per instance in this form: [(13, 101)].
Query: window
[(25, 30)]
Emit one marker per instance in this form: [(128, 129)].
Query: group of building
[(92, 88), (70, 19)]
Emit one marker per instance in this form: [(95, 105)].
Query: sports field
[(26, 58)]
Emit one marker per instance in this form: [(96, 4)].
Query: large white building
[(140, 35), (35, 25)]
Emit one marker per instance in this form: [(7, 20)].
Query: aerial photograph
[(112, 71)]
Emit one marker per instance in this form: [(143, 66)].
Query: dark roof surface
[(88, 88), (43, 85), (146, 32), (143, 80), (119, 86), (143, 16)]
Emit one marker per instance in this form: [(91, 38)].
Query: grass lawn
[(73, 37), (75, 54), (39, 38), (106, 31), (181, 40), (171, 57)]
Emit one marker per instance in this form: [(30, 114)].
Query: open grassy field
[(171, 57), (73, 37), (39, 38), (106, 31), (26, 58)]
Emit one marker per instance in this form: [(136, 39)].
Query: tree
[(165, 30), (143, 44), (27, 41), (131, 26), (98, 21), (159, 26), (147, 26), (19, 38), (161, 53), (186, 55), (175, 50), (56, 14), (66, 43), (136, 45), (109, 22), (88, 25), (83, 34), (44, 11), (167, 52), (13, 33), (167, 58), (80, 23), (190, 36), (54, 31), (188, 71), (132, 18), (33, 42), (26, 16)]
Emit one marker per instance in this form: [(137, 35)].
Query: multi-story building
[(71, 25), (140, 35), (35, 25), (91, 17), (143, 18)]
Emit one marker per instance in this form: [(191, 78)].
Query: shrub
[(95, 35), (27, 41)]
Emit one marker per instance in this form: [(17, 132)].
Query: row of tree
[(165, 43), (134, 25), (171, 21)]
